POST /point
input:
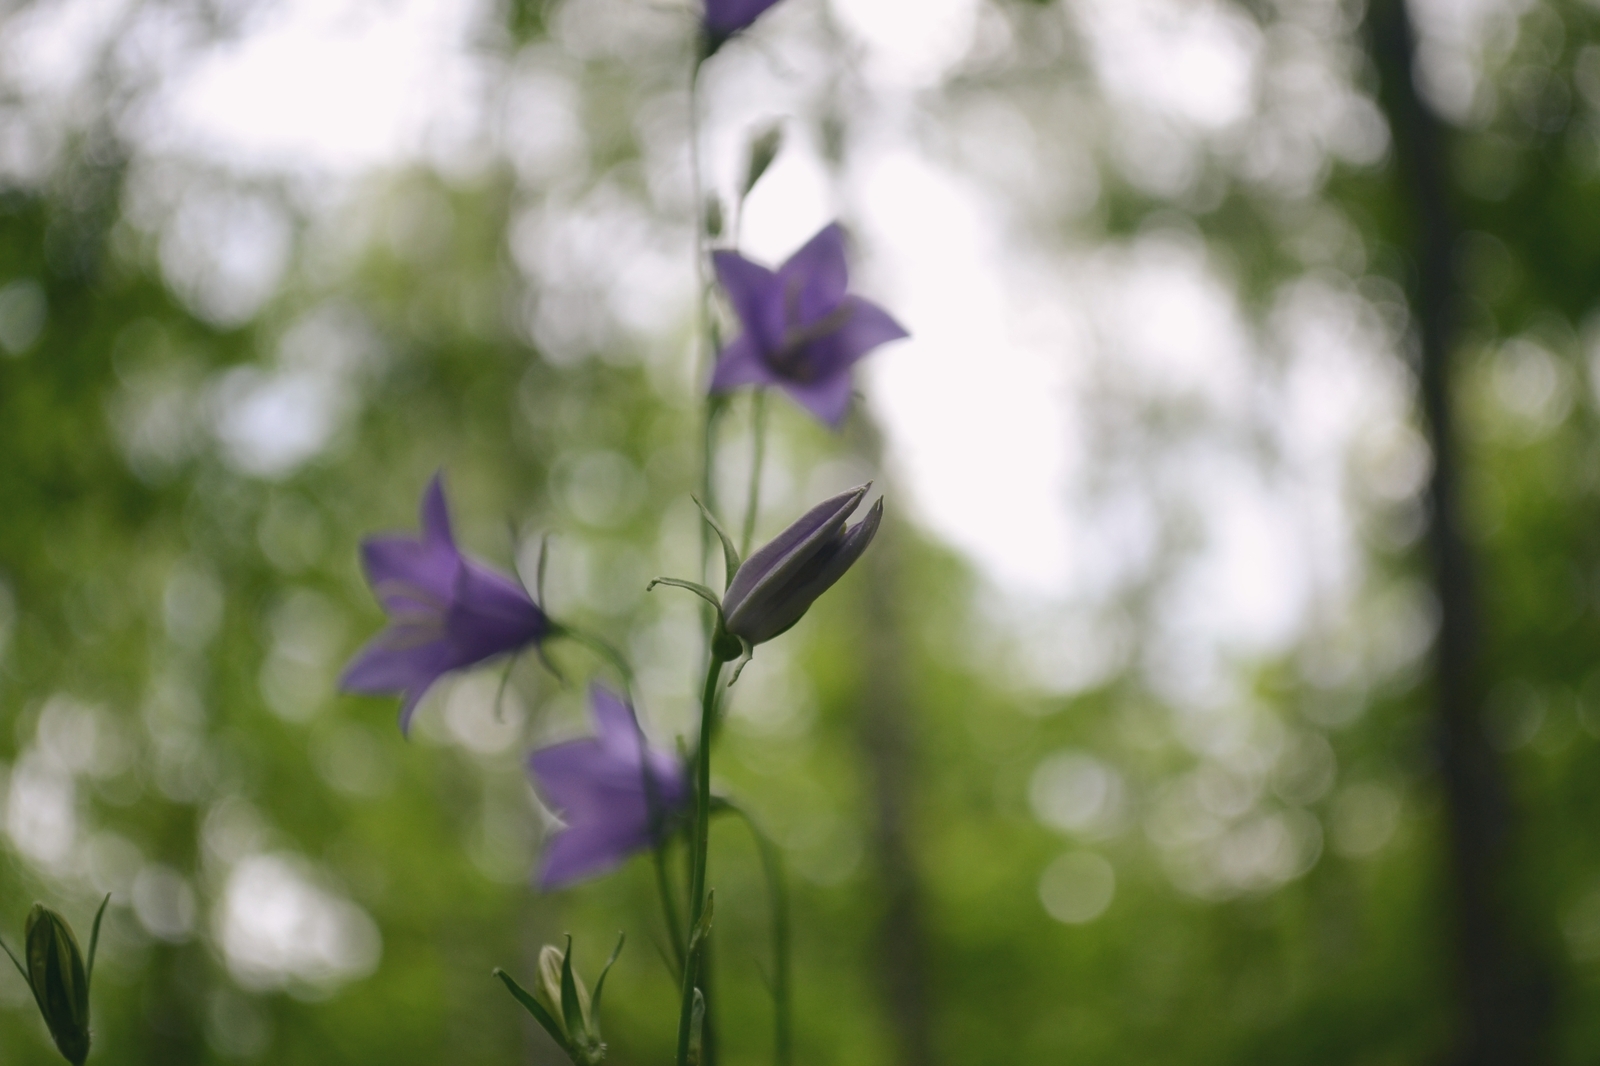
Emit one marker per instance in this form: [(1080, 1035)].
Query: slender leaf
[(535, 1008), (730, 554), (94, 938), (693, 586), (16, 962), (571, 1010), (600, 982)]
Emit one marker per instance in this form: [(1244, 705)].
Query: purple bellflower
[(780, 580), (599, 787), (724, 18), (446, 612), (802, 330)]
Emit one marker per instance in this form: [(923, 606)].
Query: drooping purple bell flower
[(724, 18), (446, 612), (775, 586), (599, 788), (802, 330)]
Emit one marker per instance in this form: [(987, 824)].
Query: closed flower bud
[(560, 1003), (775, 586), (59, 981), (550, 993)]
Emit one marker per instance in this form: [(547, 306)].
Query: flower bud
[(59, 981), (550, 992), (780, 581), (560, 1003)]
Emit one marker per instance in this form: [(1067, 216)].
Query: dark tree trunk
[(888, 750), (1502, 992), (889, 754)]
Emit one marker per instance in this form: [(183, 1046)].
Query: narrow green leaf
[(764, 148), (544, 659), (693, 586), (730, 554), (538, 577), (16, 962), (535, 1008), (702, 928), (748, 652), (571, 1009), (94, 938), (600, 982)]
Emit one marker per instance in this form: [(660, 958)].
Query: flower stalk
[(699, 898), (758, 430)]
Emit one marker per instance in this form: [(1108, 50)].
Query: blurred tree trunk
[(888, 754), (1503, 992)]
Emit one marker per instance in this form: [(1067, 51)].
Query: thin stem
[(652, 796), (604, 650), (669, 906), (705, 344), (758, 429), (701, 842), (698, 192), (778, 902)]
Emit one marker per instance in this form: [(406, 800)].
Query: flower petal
[(392, 662), (490, 615), (408, 575), (863, 326), (615, 725), (821, 273), (756, 294), (579, 852), (436, 516), (741, 364), (827, 398), (724, 18)]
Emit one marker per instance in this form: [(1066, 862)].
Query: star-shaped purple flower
[(598, 787), (445, 611), (802, 330), (724, 18)]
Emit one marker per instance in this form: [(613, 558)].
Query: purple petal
[(724, 18), (392, 662), (772, 562), (436, 516), (756, 294), (568, 772), (821, 273), (602, 801), (575, 854), (407, 575), (615, 725), (864, 326), (400, 659), (828, 398), (597, 786), (741, 364), (490, 614)]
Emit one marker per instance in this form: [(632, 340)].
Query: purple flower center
[(789, 359)]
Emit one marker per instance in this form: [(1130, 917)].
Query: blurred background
[(1124, 744)]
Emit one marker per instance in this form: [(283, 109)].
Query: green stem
[(702, 835), (669, 906), (778, 900), (605, 651), (758, 429)]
